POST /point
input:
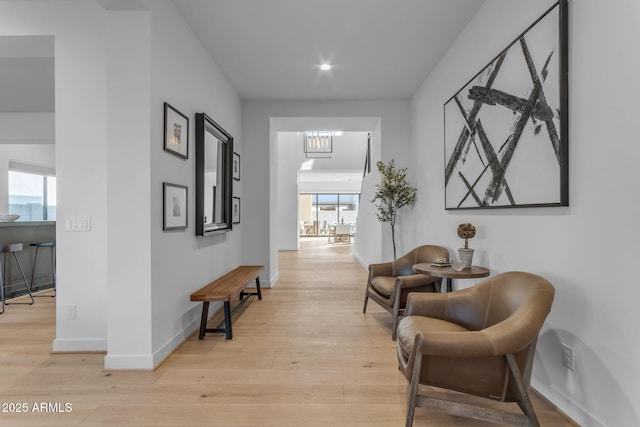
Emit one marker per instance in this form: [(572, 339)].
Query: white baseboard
[(79, 345), (178, 339), (360, 260), (140, 361), (565, 405), (129, 362), (274, 279), (152, 361)]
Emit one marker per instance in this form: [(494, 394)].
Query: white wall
[(27, 128), (323, 183), (129, 201), (367, 247), (289, 146), (594, 307), (183, 74)]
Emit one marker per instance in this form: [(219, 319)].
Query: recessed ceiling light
[(325, 67)]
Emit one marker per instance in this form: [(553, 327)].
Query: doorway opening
[(329, 215), (334, 177), (27, 165)]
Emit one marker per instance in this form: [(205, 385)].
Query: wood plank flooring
[(303, 356)]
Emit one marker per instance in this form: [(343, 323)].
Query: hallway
[(303, 356)]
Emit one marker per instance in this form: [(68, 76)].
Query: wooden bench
[(222, 289)]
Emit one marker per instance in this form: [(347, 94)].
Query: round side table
[(449, 273)]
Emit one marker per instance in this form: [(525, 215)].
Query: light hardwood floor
[(303, 356)]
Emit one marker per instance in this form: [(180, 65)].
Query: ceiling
[(380, 49), (272, 49)]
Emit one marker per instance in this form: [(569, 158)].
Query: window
[(318, 212), (32, 192)]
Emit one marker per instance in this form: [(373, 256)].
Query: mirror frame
[(204, 124)]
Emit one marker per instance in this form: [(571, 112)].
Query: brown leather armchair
[(389, 283), (480, 341)]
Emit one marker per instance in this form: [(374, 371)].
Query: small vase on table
[(466, 256)]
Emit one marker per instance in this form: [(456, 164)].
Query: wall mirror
[(214, 191)]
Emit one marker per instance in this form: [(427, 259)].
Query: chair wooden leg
[(394, 326), (413, 385), (366, 299), (395, 311), (525, 404)]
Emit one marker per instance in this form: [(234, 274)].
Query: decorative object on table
[(466, 232), (176, 132), (506, 131), (235, 210), (9, 217), (175, 211), (459, 265), (393, 192), (441, 262), (236, 166)]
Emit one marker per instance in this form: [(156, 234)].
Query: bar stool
[(1, 290), (39, 245), (13, 248)]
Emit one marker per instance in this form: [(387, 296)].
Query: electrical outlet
[(71, 312), (567, 356)]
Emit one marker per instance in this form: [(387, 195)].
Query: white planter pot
[(466, 256)]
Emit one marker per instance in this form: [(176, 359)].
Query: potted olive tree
[(393, 192), (466, 232)]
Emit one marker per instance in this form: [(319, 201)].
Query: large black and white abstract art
[(506, 130)]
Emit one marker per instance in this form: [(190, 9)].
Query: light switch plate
[(78, 223)]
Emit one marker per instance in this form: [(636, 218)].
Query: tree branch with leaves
[(393, 193)]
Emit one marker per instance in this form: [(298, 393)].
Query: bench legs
[(227, 314), (203, 319), (258, 287), (227, 320), (258, 291)]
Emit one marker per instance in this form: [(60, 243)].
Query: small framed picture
[(175, 209), (235, 210), (236, 166), (176, 132)]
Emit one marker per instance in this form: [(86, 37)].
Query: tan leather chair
[(389, 283), (480, 341)]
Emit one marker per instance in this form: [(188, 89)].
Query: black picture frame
[(176, 132), (235, 210), (175, 202), (236, 166), (506, 131)]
